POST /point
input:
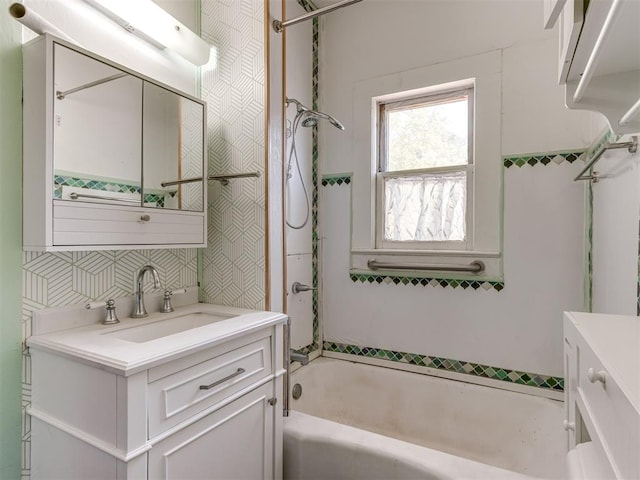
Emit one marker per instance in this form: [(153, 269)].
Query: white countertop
[(615, 339), (92, 343)]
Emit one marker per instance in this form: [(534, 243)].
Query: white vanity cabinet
[(212, 412), (602, 394), (112, 159)]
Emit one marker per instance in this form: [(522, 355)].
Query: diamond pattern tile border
[(543, 159), (331, 180), (426, 282), (450, 365)]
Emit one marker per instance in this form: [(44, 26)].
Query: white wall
[(520, 327), (616, 204), (298, 240)]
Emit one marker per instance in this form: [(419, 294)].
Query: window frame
[(437, 94)]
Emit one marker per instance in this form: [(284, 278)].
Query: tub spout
[(297, 356)]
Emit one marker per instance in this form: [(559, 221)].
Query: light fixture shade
[(150, 22)]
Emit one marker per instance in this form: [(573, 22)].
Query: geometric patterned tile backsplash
[(234, 269), (67, 278), (468, 368)]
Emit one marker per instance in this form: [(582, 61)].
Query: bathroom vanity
[(602, 395), (112, 159), (191, 394)]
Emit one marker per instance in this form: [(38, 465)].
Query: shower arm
[(279, 26)]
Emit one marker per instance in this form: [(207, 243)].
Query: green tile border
[(309, 6), (332, 180), (458, 366), (543, 158), (426, 281)]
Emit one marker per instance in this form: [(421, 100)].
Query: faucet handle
[(111, 318), (166, 304)]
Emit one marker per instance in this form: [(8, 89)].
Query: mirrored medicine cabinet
[(112, 159)]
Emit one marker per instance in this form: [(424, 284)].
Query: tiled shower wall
[(234, 262), (527, 243)]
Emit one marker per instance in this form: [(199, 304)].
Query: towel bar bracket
[(631, 146)]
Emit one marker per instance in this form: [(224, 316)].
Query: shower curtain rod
[(279, 26)]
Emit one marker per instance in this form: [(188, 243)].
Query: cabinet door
[(234, 442)]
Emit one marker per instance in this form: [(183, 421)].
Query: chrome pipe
[(279, 26), (474, 267)]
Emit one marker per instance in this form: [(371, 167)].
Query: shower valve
[(298, 287)]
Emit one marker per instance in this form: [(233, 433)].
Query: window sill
[(423, 259)]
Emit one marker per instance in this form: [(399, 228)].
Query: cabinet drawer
[(95, 224), (615, 420), (178, 396)]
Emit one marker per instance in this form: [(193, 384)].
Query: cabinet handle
[(594, 376), (272, 401), (240, 371), (567, 425), (145, 218)]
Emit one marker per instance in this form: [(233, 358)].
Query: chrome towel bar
[(180, 182), (75, 196), (224, 179), (474, 267), (631, 146)]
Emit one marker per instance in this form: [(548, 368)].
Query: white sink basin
[(163, 328)]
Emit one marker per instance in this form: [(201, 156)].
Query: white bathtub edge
[(300, 427)]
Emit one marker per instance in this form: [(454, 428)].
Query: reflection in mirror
[(97, 130), (172, 150)]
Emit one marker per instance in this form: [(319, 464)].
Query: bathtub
[(356, 421)]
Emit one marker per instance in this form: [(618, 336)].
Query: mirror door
[(97, 130)]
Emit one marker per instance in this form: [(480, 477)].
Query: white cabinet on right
[(602, 395)]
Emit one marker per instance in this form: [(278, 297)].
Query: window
[(477, 177), (424, 189)]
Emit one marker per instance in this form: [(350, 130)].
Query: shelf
[(604, 75)]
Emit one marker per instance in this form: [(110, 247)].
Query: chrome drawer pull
[(594, 376), (240, 371)]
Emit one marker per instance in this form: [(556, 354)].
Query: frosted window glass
[(427, 207)]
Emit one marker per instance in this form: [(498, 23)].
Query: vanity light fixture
[(154, 25)]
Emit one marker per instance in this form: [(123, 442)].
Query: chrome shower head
[(310, 121), (313, 115)]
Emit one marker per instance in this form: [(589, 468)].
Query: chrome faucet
[(140, 311)]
